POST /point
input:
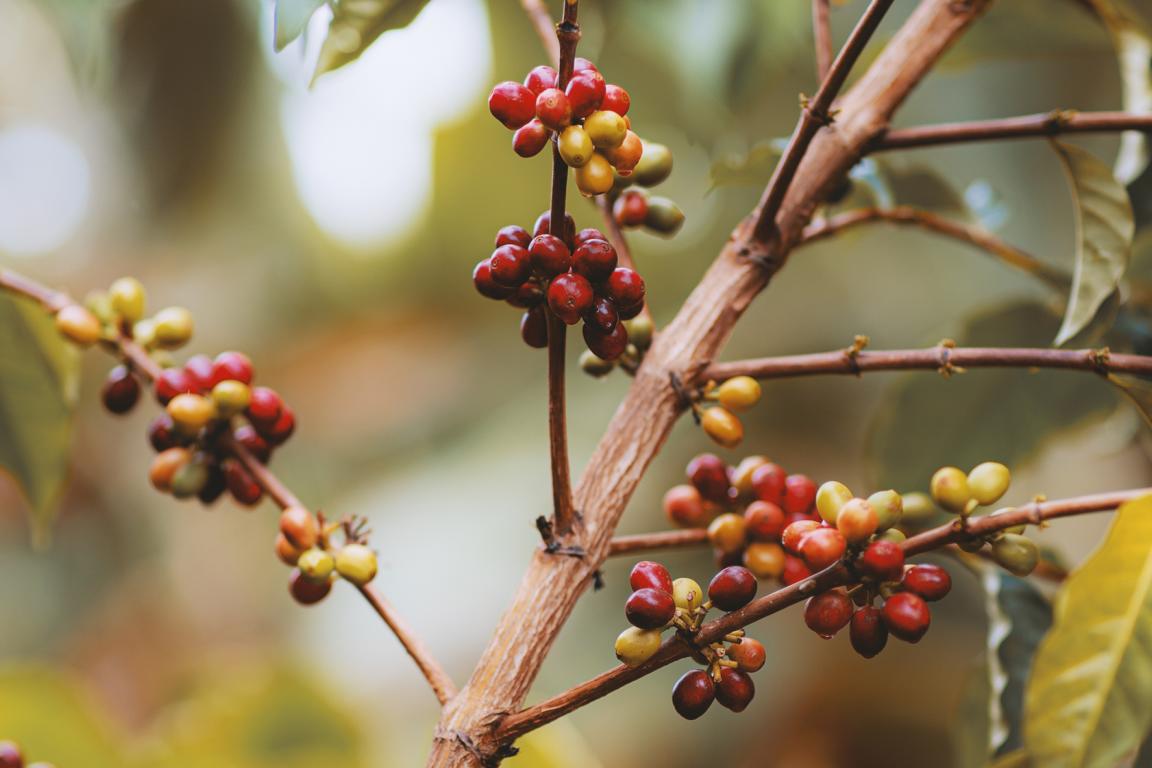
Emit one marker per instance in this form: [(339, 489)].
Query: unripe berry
[(540, 78), (512, 104), (693, 694), (883, 561), (749, 654), (735, 689), (655, 165), (764, 521), (549, 255), (634, 646), (765, 559), (300, 527), (173, 327), (830, 497), (931, 582), (857, 521), (626, 286), (594, 366), (907, 616), (595, 260), (243, 487), (306, 591), (616, 99), (649, 608), (513, 235), (893, 535), (768, 483), (534, 327), (316, 564), (121, 390), (356, 563), (530, 138), (595, 177), (231, 397), (795, 533), (739, 394), (607, 346), (1015, 553), (287, 553), (640, 331), (732, 588), (687, 594), (78, 325), (794, 570), (723, 427), (822, 547), (709, 474), (126, 297), (144, 333), (585, 92), (486, 285), (510, 265), (988, 482), (664, 216), (630, 208), (10, 755), (799, 494), (949, 489), (190, 413), (575, 146), (918, 508), (626, 157), (868, 633), (569, 296), (684, 507), (606, 129), (190, 478), (889, 507), (553, 108), (164, 467), (828, 613), (741, 476), (726, 532), (651, 575)]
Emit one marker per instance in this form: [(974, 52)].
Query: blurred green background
[(330, 232)]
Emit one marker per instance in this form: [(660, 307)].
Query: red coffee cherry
[(528, 294), (305, 591), (626, 286), (631, 208), (930, 582), (585, 92), (549, 255), (243, 487), (606, 346), (570, 296), (199, 370), (867, 632), (649, 608), (231, 366), (794, 570), (828, 613), (616, 99), (627, 313), (732, 588), (799, 494), (121, 390), (764, 521), (513, 235), (247, 436), (768, 483), (10, 755), (590, 233), (486, 285), (214, 485), (534, 327), (264, 406), (172, 382), (543, 226), (540, 79), (685, 507), (907, 616), (749, 654), (595, 259), (822, 547), (794, 534), (509, 265), (553, 108), (283, 428), (651, 575), (882, 560), (693, 694), (581, 64), (735, 689), (162, 433), (709, 474), (602, 314), (512, 104), (530, 138)]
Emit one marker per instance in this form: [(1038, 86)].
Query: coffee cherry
[(283, 428), (739, 394), (1016, 554), (530, 138), (640, 331), (687, 594), (626, 286), (607, 346), (10, 755), (126, 298), (172, 382), (486, 285), (356, 563), (907, 616), (144, 333), (857, 521), (570, 296), (512, 104), (616, 99), (655, 166), (575, 146), (649, 608), (198, 368), (264, 406), (732, 588), (121, 390), (306, 591), (509, 265), (627, 156), (889, 507), (553, 108), (231, 397), (606, 129), (316, 564), (582, 64), (709, 474), (527, 295), (764, 521), (534, 328), (828, 613), (893, 535), (931, 582), (795, 533), (768, 483), (161, 433), (741, 475), (723, 427), (949, 489), (549, 255), (78, 325), (191, 413), (882, 560), (231, 366), (634, 646), (287, 553), (214, 486), (735, 689), (164, 467), (540, 78), (173, 327), (693, 694), (602, 314), (595, 260), (918, 508), (988, 482), (594, 366), (765, 559), (300, 527), (647, 574), (513, 235), (794, 570), (191, 478), (589, 233), (595, 177), (868, 633), (799, 494), (822, 547), (664, 216), (585, 93), (749, 654), (684, 507), (543, 226), (630, 208), (243, 487), (830, 497)]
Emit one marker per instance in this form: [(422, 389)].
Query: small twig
[(646, 542), (822, 32), (1029, 126), (542, 22)]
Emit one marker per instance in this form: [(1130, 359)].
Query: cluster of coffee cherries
[(307, 542), (119, 312), (659, 602), (718, 405), (632, 204), (12, 757), (574, 276), (589, 118)]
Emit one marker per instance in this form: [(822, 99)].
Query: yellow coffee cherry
[(742, 476), (575, 146), (78, 325), (889, 507), (687, 594), (231, 397), (857, 521), (949, 489), (595, 177), (606, 129), (356, 563), (830, 497), (316, 564), (635, 646), (98, 303), (722, 426), (144, 333), (739, 394), (173, 327), (127, 298), (918, 507), (726, 532), (190, 413), (988, 482), (765, 559)]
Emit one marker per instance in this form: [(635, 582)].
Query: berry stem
[(619, 241), (1028, 126), (648, 542), (822, 31), (17, 283)]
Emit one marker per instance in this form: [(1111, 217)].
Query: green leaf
[(923, 188), (39, 376), (1089, 701), (292, 19), (1104, 232), (1138, 391), (926, 422), (357, 23)]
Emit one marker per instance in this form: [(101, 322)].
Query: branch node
[(1101, 360), (807, 586), (852, 353), (947, 368), (1058, 119), (684, 399)]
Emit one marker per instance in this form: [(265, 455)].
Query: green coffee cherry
[(1016, 554), (988, 482), (356, 563), (173, 327), (595, 366), (918, 508), (664, 216), (830, 497), (655, 165), (144, 333), (231, 397), (316, 564), (687, 594), (127, 298), (635, 646), (190, 479), (98, 303), (640, 331), (889, 507), (894, 535), (949, 488)]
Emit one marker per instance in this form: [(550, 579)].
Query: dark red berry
[(530, 138), (627, 313), (649, 608), (867, 632), (10, 755), (172, 382), (799, 494), (631, 208), (709, 474), (534, 327), (282, 429), (822, 547), (931, 582), (549, 255), (513, 235), (305, 591), (626, 286), (486, 285), (768, 483), (512, 104), (763, 521), (732, 588), (693, 693), (882, 560), (602, 314), (199, 370), (616, 99), (509, 265), (570, 296), (651, 575), (794, 570), (264, 406), (247, 436), (553, 108), (595, 259), (162, 434), (241, 484), (214, 486), (735, 689), (585, 235), (231, 366), (540, 78), (828, 613), (528, 295), (606, 346), (907, 616), (543, 226), (121, 390), (585, 91)]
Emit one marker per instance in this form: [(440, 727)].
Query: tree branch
[(542, 22), (822, 32), (645, 542), (1029, 126)]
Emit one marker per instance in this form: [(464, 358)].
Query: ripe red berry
[(241, 484), (735, 689), (606, 346), (534, 327), (512, 104), (616, 99), (486, 285), (172, 382), (306, 591), (199, 370), (693, 693), (799, 494), (585, 92), (553, 108), (649, 608), (570, 296), (882, 560), (581, 64), (930, 582), (214, 485), (794, 570), (543, 226), (626, 286), (509, 265), (162, 433), (283, 428), (764, 521), (121, 390), (709, 474), (627, 313), (587, 234), (732, 588), (651, 575), (247, 436), (828, 613), (684, 507), (907, 616), (540, 78), (867, 632), (549, 255), (513, 235), (530, 138), (602, 314), (595, 259), (10, 755), (528, 294), (794, 534), (768, 483), (231, 366), (631, 208), (264, 406), (822, 547)]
